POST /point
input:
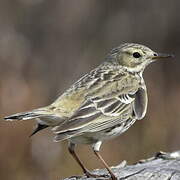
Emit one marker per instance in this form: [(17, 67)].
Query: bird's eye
[(136, 55)]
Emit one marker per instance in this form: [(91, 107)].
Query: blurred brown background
[(45, 45)]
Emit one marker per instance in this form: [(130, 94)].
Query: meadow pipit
[(102, 104)]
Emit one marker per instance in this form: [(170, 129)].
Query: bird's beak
[(162, 55)]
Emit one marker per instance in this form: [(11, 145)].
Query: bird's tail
[(28, 115), (44, 116)]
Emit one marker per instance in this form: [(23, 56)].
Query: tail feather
[(39, 127), (41, 112), (23, 116), (43, 116)]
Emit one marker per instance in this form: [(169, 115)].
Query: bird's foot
[(76, 177), (113, 177), (103, 176)]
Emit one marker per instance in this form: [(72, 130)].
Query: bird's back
[(96, 99)]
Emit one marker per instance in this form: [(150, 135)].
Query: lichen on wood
[(163, 166)]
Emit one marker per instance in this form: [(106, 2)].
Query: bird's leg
[(96, 148), (71, 148)]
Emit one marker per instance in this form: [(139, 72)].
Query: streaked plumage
[(102, 104)]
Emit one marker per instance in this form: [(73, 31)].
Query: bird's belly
[(106, 134)]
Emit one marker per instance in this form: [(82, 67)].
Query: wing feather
[(104, 111), (110, 105)]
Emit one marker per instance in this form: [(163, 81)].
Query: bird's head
[(135, 57)]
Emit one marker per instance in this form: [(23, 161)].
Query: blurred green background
[(46, 45)]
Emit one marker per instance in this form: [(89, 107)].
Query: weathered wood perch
[(163, 166)]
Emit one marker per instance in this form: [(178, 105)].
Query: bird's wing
[(117, 111), (111, 103), (140, 103), (113, 112)]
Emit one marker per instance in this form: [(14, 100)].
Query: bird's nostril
[(155, 54)]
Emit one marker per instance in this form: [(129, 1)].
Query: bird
[(101, 105)]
